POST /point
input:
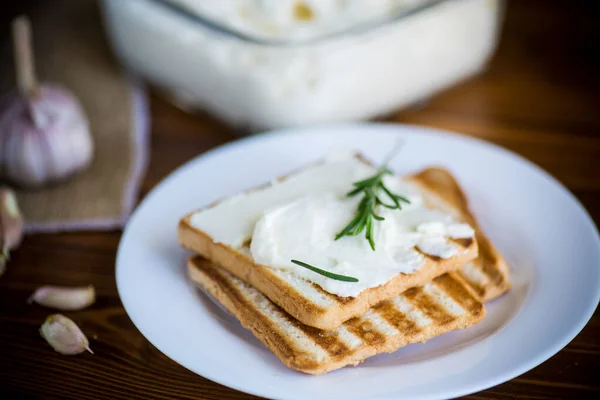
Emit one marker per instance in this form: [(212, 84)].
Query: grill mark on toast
[(492, 272), (352, 341), (457, 291), (381, 324), (396, 318), (414, 314), (489, 259), (493, 266), (428, 306), (327, 340), (370, 333), (442, 298), (444, 185), (365, 331), (474, 276), (237, 297), (480, 290)]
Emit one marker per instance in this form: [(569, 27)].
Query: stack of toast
[(313, 331)]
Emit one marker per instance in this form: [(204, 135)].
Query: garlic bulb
[(11, 225), (45, 138), (44, 133)]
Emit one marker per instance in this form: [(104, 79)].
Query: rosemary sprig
[(331, 275), (372, 189)]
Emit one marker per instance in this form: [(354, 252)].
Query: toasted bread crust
[(384, 328), (294, 302), (487, 274), (489, 264)]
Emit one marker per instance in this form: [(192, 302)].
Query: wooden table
[(540, 98)]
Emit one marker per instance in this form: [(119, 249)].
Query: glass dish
[(256, 82)]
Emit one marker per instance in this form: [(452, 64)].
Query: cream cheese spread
[(299, 217)]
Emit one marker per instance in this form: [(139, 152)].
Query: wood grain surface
[(540, 97)]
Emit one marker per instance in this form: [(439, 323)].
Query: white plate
[(546, 235)]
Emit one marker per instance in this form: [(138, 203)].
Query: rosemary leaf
[(369, 233), (365, 213), (354, 192), (327, 274)]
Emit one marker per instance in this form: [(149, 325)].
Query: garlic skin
[(11, 225), (64, 335), (64, 298), (45, 137)]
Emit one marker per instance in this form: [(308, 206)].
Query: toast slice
[(488, 274), (419, 314), (308, 302)]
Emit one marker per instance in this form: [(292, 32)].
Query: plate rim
[(404, 129)]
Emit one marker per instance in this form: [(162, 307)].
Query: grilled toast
[(488, 274), (306, 301), (419, 314)]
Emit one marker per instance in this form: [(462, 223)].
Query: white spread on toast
[(299, 217)]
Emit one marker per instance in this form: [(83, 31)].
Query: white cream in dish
[(295, 19), (359, 74), (299, 217)]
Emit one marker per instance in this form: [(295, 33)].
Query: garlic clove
[(64, 335), (11, 225), (44, 130), (11, 221), (64, 298)]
